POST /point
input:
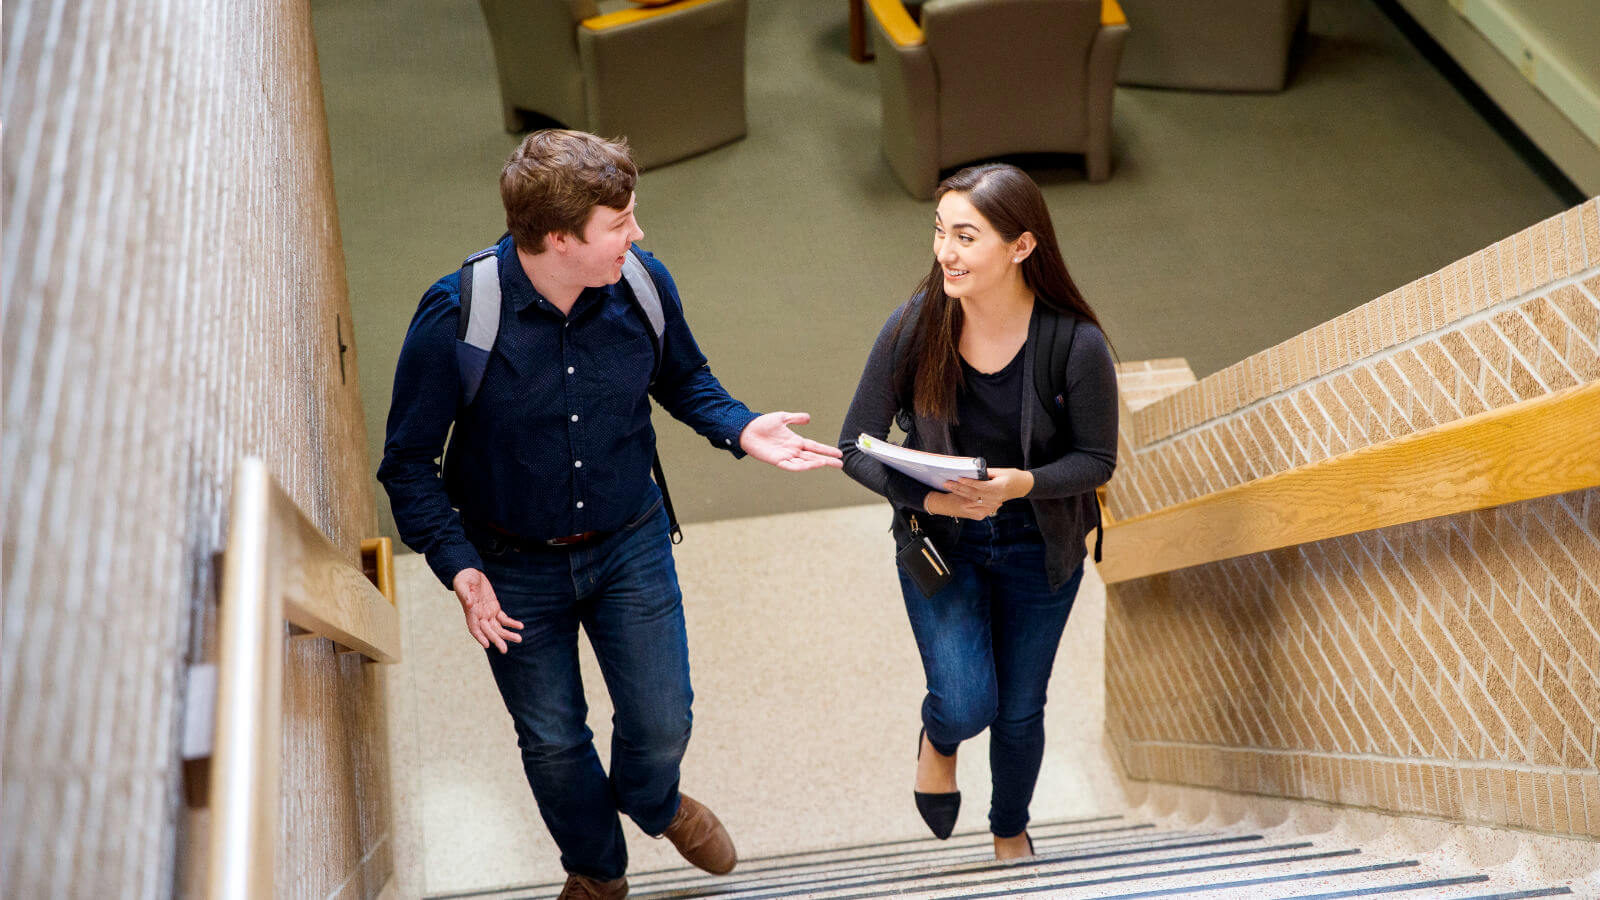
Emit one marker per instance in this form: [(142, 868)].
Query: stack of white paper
[(932, 469)]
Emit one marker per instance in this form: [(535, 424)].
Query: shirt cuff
[(730, 440), (448, 562)]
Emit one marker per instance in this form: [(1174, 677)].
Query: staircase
[(1103, 857)]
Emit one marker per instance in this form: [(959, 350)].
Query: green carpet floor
[(1231, 222)]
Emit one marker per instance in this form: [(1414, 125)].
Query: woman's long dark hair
[(930, 371)]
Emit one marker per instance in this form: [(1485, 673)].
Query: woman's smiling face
[(974, 257)]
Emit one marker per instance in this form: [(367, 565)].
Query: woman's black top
[(1065, 468), (989, 414)]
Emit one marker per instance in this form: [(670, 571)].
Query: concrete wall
[(1447, 667), (1535, 59), (174, 299)]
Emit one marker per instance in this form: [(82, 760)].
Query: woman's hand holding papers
[(969, 498), (940, 503)]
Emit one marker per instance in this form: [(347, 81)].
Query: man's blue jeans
[(623, 590), (988, 641)]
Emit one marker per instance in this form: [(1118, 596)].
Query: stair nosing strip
[(1033, 871), (1072, 857), (1054, 823), (1154, 842)]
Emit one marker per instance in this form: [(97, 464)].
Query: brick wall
[(1448, 667), (1515, 320)]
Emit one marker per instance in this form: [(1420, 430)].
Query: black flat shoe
[(937, 810)]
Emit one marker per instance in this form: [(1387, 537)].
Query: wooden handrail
[(1535, 448), (277, 566)]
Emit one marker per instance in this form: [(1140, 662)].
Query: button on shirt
[(558, 439)]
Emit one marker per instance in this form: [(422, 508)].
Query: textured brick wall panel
[(172, 281), (1517, 320), (1449, 667), (1451, 650)]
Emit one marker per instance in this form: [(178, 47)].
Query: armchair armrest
[(670, 77), (1105, 55), (897, 22), (640, 14)]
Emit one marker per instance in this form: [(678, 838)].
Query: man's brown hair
[(556, 178)]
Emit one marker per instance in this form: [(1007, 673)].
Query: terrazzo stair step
[(1105, 857), (890, 859)]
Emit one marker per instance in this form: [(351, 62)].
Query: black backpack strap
[(466, 301), (904, 414), (1050, 360), (674, 530), (1099, 529)]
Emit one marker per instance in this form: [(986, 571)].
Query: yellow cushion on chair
[(645, 10)]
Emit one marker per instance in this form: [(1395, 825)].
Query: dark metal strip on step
[(761, 879), (1271, 879), (1522, 894), (997, 871), (860, 878), (828, 856), (974, 838), (1059, 885), (943, 860), (1174, 873), (1376, 889), (1154, 838), (1029, 871), (929, 849), (972, 833)]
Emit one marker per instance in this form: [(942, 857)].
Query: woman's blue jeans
[(623, 591), (988, 641)]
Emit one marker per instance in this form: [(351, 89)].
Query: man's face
[(606, 238)]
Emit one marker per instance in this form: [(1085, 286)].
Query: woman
[(955, 367)]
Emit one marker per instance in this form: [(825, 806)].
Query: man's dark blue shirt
[(558, 439)]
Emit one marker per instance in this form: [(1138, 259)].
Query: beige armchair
[(985, 78), (1214, 45), (670, 78)]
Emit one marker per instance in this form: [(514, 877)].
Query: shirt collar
[(516, 288), (514, 283)]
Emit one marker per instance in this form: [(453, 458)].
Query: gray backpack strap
[(479, 320), (480, 313), (648, 299), (644, 291)]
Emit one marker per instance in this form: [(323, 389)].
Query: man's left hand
[(769, 439)]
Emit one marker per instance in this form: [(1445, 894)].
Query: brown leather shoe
[(580, 887), (700, 838)]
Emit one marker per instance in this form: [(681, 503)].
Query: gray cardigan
[(1063, 483)]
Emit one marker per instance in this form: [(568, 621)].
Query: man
[(546, 517)]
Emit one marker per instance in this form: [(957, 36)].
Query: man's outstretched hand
[(485, 620), (769, 439)]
